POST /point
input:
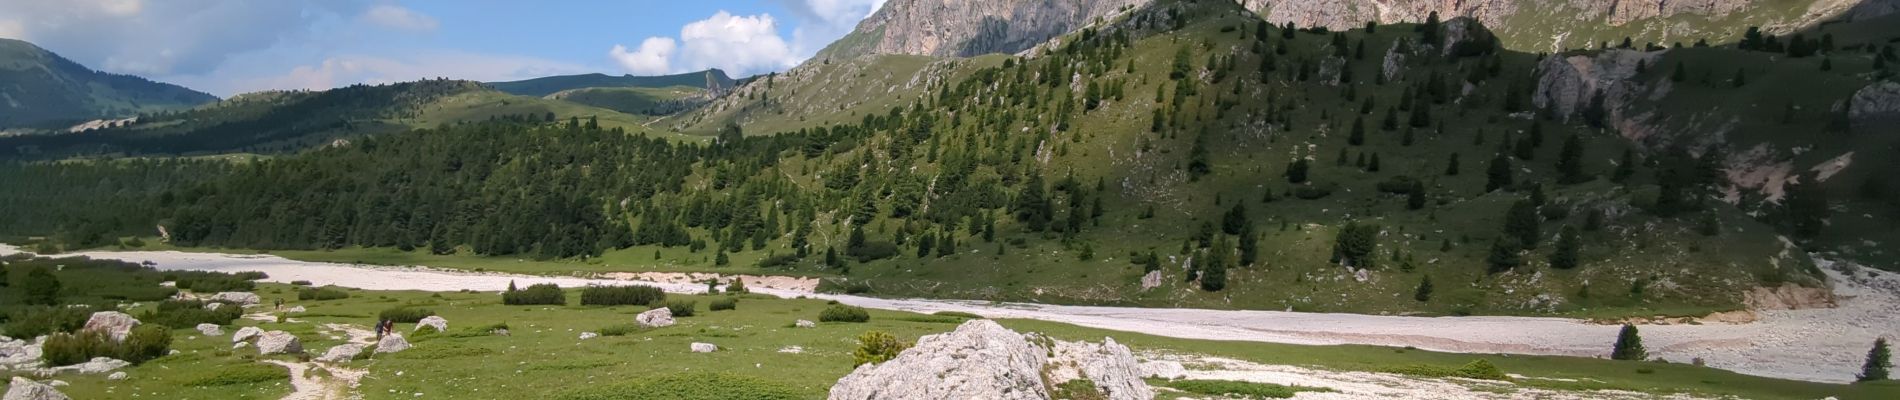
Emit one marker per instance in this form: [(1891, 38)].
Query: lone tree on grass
[(1879, 360), (1629, 346), (1424, 292)]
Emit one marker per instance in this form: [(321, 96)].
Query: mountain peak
[(945, 28), (39, 87)]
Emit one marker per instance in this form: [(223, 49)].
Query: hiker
[(379, 329), (280, 304)]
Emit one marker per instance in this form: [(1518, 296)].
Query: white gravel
[(1824, 345)]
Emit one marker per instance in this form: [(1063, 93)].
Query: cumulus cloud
[(163, 37), (737, 44), (396, 17), (351, 69), (822, 21)]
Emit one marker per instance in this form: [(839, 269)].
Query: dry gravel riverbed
[(1824, 345)]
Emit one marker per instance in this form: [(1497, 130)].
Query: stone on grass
[(391, 343), (983, 360), (210, 330), (97, 365), (27, 389), (296, 309), (805, 324), (440, 324), (589, 335), (246, 334), (341, 353), (240, 298), (116, 376), (655, 318), (279, 342), (113, 323), (1163, 370), (704, 347)]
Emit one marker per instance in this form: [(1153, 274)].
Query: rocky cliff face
[(962, 28)]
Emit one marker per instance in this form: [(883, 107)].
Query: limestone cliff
[(963, 28)]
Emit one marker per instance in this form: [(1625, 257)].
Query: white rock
[(112, 323), (279, 342), (589, 335), (1151, 280), (979, 360), (391, 343), (210, 330), (116, 376), (655, 318), (97, 365), (296, 309), (805, 324), (1163, 370), (792, 349), (213, 306), (341, 353), (1109, 365), (246, 333), (27, 389), (704, 347), (16, 354), (241, 298), (440, 324), (240, 345)]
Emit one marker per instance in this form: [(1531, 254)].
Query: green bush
[(31, 322), (144, 342), (681, 308), (182, 314), (537, 294), (405, 314), (621, 295), (778, 260), (844, 313), (727, 303), (1238, 388), (876, 347), (322, 293), (211, 283), (620, 330), (688, 386), (300, 283), (1482, 369), (958, 314)]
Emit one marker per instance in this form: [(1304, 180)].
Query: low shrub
[(873, 251), (621, 295), (778, 261), (877, 347), (300, 283), (31, 322), (1238, 388), (405, 314), (620, 330), (844, 313), (322, 293), (843, 286), (1476, 369), (687, 386), (681, 308), (1482, 369), (958, 314), (180, 314), (725, 303), (251, 275), (212, 283), (536, 294), (737, 286), (144, 342)]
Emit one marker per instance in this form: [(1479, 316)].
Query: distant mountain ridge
[(40, 87), (553, 84)]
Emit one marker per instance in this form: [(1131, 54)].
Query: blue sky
[(227, 47)]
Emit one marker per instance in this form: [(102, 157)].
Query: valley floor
[(1820, 345)]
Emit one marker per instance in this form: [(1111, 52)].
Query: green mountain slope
[(549, 85), (38, 87), (636, 100)]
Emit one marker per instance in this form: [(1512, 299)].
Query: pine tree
[(1806, 209), (511, 285), (1249, 245), (1373, 165), (1521, 223), (1680, 74), (1499, 174), (1626, 167), (1214, 271), (1629, 345), (1358, 136), (1235, 220), (1296, 172), (1504, 254), (1451, 166), (1570, 162), (719, 258), (1424, 292), (1879, 362), (1566, 256), (1415, 197)]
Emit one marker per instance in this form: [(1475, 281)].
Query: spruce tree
[(1626, 167), (1566, 256), (1629, 345), (1373, 165), (1214, 271), (1521, 223), (1235, 220), (1451, 166), (1424, 292), (1415, 198), (511, 285), (1806, 209), (1504, 254), (1499, 174), (1879, 362), (1570, 162), (1249, 245), (1358, 136)]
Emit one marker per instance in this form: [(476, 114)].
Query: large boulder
[(589, 335), (18, 354), (210, 330), (27, 389), (1877, 103), (1109, 365), (279, 342), (240, 298), (704, 347), (655, 318), (440, 324), (341, 353), (979, 360), (246, 334), (391, 343), (113, 323)]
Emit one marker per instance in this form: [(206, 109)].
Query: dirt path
[(337, 386), (1825, 345)]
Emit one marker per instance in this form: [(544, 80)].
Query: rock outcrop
[(341, 353), (655, 318), (245, 334), (279, 342), (17, 354), (1163, 370), (983, 360), (210, 330), (957, 28), (1788, 297), (438, 323), (239, 298), (27, 389), (391, 343), (113, 323), (1876, 104), (97, 365)]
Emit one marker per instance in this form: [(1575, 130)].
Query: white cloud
[(740, 45), (163, 37), (652, 58), (352, 69), (396, 17), (822, 21)]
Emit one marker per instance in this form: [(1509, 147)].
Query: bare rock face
[(961, 28), (391, 343), (979, 360), (210, 330), (440, 324), (113, 323), (1878, 103), (246, 333), (704, 347), (1788, 296), (655, 318), (240, 298), (1569, 85), (27, 389), (1151, 280), (341, 353), (279, 342), (1109, 365), (18, 354)]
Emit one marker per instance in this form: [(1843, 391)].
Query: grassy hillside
[(544, 86), (636, 100), (42, 89)]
